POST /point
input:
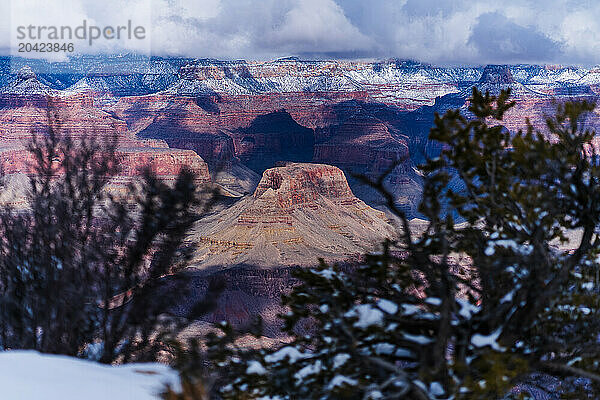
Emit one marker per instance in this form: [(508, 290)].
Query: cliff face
[(257, 130), (166, 163), (497, 74), (298, 210), (234, 133), (197, 116), (536, 102), (402, 84), (273, 137), (299, 184), (180, 122), (535, 91), (28, 105), (362, 144)]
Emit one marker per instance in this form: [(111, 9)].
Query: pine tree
[(80, 267), (412, 322)]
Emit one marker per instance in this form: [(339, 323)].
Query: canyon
[(230, 121), (288, 142)]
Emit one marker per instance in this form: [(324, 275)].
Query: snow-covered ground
[(28, 375)]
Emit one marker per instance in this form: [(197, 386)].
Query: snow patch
[(310, 369), (326, 273), (436, 389), (467, 310), (434, 301), (388, 306), (488, 340), (420, 339), (367, 316), (286, 352), (508, 297), (340, 359), (341, 380), (522, 249), (29, 375), (256, 368)]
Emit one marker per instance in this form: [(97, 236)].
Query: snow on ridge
[(89, 83), (27, 83), (387, 81)]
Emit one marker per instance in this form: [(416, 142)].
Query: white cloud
[(317, 25), (201, 9), (581, 35)]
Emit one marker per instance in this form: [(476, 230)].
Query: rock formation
[(298, 213)]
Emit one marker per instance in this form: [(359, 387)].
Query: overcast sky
[(436, 31)]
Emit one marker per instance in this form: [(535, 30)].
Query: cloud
[(248, 29), (317, 26), (436, 31), (499, 39)]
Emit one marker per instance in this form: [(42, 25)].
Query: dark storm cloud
[(497, 38)]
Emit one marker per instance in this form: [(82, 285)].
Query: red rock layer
[(165, 163), (299, 184), (75, 116), (227, 111)]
